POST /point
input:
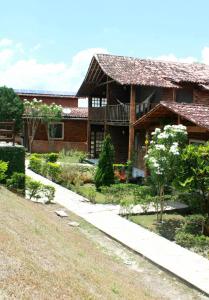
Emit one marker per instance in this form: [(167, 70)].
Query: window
[(95, 102), (56, 131), (103, 102), (184, 95), (98, 102)]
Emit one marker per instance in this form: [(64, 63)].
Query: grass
[(101, 198), (171, 222), (41, 257)]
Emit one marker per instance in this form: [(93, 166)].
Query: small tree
[(105, 173), (194, 173), (36, 112), (11, 107), (163, 158)]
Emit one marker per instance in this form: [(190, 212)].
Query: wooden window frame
[(56, 139)]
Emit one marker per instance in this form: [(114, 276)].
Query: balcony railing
[(110, 113), (7, 132)]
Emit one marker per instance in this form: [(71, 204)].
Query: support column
[(105, 108), (89, 128), (132, 120)]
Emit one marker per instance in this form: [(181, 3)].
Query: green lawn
[(171, 222)]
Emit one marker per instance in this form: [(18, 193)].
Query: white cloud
[(31, 74), (205, 55), (5, 42), (5, 57)]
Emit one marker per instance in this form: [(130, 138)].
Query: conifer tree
[(105, 173)]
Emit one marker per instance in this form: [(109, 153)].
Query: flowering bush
[(163, 156)]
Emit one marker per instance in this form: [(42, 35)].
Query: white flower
[(157, 130), (163, 135), (174, 149), (167, 127), (160, 147)]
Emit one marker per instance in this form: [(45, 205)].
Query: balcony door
[(96, 143)]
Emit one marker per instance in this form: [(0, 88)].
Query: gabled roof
[(129, 70), (75, 113), (195, 113)]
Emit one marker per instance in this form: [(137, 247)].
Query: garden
[(177, 172)]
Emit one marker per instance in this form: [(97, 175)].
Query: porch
[(110, 114)]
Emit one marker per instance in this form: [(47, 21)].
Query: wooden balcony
[(111, 114), (7, 132)]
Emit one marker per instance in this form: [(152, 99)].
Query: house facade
[(130, 97), (69, 133)]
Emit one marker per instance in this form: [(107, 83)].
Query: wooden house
[(69, 133), (130, 97)]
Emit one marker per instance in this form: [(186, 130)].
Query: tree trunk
[(161, 203)]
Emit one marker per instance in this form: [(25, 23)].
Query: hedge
[(15, 156)]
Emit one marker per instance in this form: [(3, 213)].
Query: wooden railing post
[(132, 120)]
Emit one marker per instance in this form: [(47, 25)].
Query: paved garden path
[(185, 264)]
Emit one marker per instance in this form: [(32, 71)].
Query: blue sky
[(48, 44)]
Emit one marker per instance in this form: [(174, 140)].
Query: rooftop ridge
[(152, 59)]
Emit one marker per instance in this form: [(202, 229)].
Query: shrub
[(194, 224), (184, 239), (53, 171), (3, 169), (37, 190), (51, 157), (188, 240), (193, 200), (35, 164), (48, 193), (72, 156), (105, 173), (71, 173), (15, 156), (17, 182), (33, 188), (92, 195)]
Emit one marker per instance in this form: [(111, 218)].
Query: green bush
[(51, 157), (194, 224), (72, 156), (92, 195), (33, 188), (17, 182), (48, 193), (53, 171), (184, 239), (37, 190), (36, 164), (193, 200), (15, 156), (199, 243), (3, 169)]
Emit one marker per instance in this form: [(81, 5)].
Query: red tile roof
[(129, 70), (195, 113), (76, 113)]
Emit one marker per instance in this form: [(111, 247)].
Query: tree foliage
[(164, 156), (36, 112), (11, 107), (105, 174), (194, 173)]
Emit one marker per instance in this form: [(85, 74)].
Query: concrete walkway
[(183, 263)]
